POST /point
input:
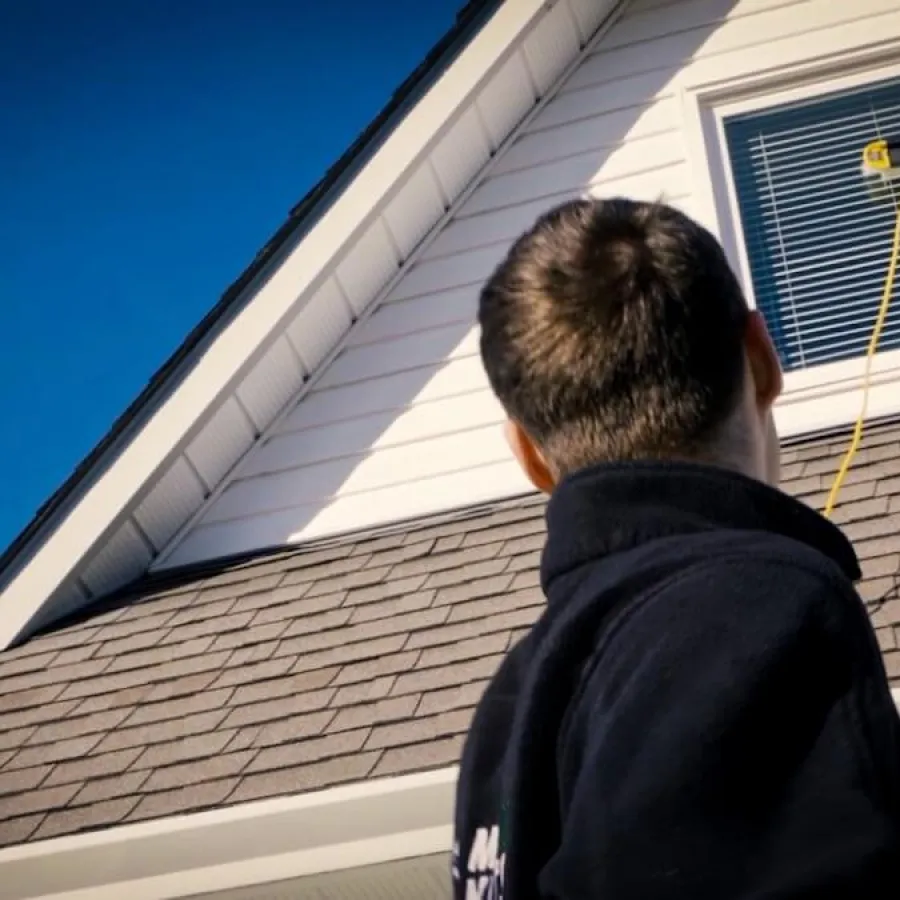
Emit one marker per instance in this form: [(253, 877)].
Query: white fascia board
[(241, 846), (117, 482)]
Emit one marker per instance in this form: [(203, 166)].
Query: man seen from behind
[(701, 711)]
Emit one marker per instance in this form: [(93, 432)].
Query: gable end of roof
[(108, 542)]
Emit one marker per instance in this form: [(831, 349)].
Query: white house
[(241, 645)]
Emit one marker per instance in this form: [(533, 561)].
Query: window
[(816, 243)]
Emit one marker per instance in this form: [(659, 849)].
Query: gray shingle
[(447, 675), (93, 766), (392, 709), (321, 665), (57, 752), (22, 828), (43, 799), (35, 715), (433, 754), (86, 818), (314, 776), (125, 785), (75, 726), (268, 711), (19, 662), (290, 728), (222, 765), (387, 664), (364, 691), (18, 780), (295, 753), (191, 797), (162, 732), (419, 729), (201, 701), (182, 749)]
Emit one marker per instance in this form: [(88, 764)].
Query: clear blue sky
[(148, 149)]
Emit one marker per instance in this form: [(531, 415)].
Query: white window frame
[(828, 395)]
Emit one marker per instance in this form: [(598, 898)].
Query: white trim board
[(48, 565), (240, 846), (824, 396)]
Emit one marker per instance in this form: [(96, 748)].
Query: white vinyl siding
[(401, 423)]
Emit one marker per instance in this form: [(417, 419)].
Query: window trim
[(828, 395)]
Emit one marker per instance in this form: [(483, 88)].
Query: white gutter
[(240, 846)]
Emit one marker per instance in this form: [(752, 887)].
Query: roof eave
[(241, 846)]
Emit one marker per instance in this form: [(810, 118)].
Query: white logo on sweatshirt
[(484, 870)]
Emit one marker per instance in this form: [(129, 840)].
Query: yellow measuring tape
[(867, 375)]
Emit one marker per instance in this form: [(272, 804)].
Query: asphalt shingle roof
[(321, 665)]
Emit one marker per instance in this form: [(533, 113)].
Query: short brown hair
[(613, 330)]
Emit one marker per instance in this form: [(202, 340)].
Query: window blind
[(818, 244)]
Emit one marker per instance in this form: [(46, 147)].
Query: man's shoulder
[(744, 574), (757, 555), (758, 579)]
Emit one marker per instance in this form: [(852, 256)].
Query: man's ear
[(529, 457), (765, 366)]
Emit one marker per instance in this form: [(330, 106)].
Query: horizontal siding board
[(678, 48), (455, 490), (470, 268), (67, 600), (397, 425), (359, 364), (394, 391), (404, 317), (625, 159), (371, 433), (633, 93), (663, 55), (504, 225), (831, 30), (493, 227), (335, 477), (592, 134), (647, 26), (665, 182)]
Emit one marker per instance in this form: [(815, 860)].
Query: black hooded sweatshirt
[(701, 711)]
